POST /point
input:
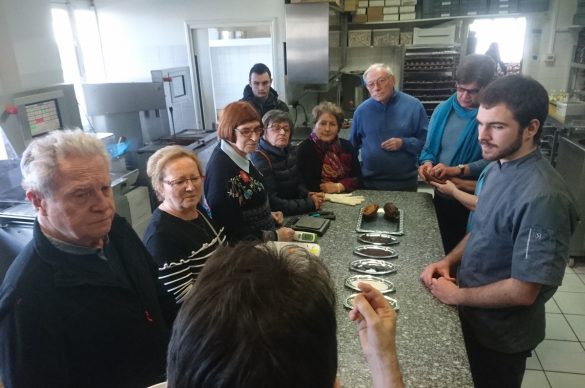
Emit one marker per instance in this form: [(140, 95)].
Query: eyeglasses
[(183, 182), (247, 132), (471, 92), (379, 82), (278, 128)]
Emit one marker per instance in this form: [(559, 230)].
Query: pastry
[(370, 211), (391, 211)]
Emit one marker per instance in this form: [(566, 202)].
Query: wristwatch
[(461, 169)]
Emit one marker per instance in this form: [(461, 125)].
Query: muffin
[(370, 211)]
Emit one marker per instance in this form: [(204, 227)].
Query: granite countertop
[(429, 340)]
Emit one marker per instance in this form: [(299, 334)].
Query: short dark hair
[(477, 68), (257, 317), (259, 68), (233, 115), (525, 97)]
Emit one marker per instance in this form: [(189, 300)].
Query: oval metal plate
[(378, 239), (375, 252), (372, 266), (382, 285), (348, 303)]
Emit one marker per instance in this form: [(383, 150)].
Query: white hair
[(378, 66), (40, 160)]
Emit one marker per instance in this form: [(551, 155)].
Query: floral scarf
[(335, 163)]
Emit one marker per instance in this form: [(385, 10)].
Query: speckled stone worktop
[(429, 340)]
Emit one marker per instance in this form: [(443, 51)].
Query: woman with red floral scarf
[(326, 162), (233, 186)]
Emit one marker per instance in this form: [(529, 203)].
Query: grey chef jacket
[(522, 226)]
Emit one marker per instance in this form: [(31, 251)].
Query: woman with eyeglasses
[(276, 159), (233, 188), (452, 150), (180, 236), (327, 162)]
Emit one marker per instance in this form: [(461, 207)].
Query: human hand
[(444, 172), (331, 187), (426, 166), (392, 144), (445, 289), (278, 218), (376, 321), (446, 188), (440, 268), (285, 234), (317, 199)]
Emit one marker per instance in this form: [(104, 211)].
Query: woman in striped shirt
[(180, 235)]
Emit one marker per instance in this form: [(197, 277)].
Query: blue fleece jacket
[(403, 116)]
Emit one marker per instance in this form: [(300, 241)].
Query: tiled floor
[(559, 361)]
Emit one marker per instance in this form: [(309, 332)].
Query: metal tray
[(378, 239), (382, 285), (348, 303), (375, 252), (379, 224), (372, 266)]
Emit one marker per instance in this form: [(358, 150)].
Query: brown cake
[(370, 211), (391, 211)]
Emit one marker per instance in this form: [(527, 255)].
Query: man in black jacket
[(80, 306), (259, 93)]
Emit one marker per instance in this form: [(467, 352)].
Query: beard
[(504, 152)]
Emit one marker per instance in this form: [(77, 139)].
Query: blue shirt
[(404, 117)]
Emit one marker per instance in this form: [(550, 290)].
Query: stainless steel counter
[(571, 165), (429, 340)]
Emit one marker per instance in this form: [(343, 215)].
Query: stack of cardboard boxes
[(368, 11)]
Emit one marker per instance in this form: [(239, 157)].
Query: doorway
[(221, 57)]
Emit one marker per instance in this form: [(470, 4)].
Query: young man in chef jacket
[(514, 258), (263, 317)]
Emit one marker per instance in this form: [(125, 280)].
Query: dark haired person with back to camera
[(327, 162), (276, 159), (233, 186), (180, 236), (262, 317)]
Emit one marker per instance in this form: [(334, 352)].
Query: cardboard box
[(409, 2), (335, 2), (408, 16), (375, 14), (376, 3), (350, 5), (386, 37), (388, 10), (390, 17), (359, 38), (406, 38), (391, 3), (407, 9), (363, 3), (435, 35), (360, 18), (362, 11)]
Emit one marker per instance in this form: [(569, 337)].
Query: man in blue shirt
[(389, 129), (514, 258)]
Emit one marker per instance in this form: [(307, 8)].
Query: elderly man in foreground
[(80, 306)]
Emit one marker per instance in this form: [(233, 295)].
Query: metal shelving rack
[(429, 73)]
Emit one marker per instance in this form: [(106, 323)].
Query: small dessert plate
[(375, 252), (382, 285), (372, 266), (348, 303)]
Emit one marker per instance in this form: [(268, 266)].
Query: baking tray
[(379, 224), (348, 303)]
